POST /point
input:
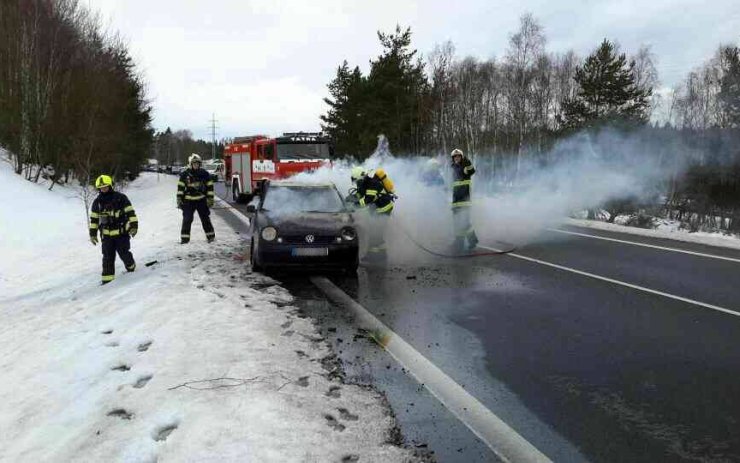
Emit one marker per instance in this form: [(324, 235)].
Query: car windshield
[(297, 199), (303, 150)]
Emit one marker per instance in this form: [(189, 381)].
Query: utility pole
[(213, 136)]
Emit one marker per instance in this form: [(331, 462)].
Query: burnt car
[(298, 224)]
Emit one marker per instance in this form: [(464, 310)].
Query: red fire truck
[(251, 160)]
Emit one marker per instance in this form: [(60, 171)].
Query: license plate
[(311, 252)]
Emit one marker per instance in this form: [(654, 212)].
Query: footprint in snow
[(350, 458), (346, 415), (121, 413), (111, 344), (109, 331), (144, 346), (162, 433), (142, 381), (286, 324), (288, 333), (302, 381), (333, 423), (333, 392), (121, 367)]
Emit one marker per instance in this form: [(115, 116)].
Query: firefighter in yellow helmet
[(375, 192), (195, 193), (462, 172), (113, 218)]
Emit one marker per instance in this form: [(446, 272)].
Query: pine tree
[(607, 92), (345, 117), (397, 90)]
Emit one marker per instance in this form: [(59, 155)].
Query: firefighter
[(462, 171), (113, 216), (373, 193), (195, 193), (431, 175)]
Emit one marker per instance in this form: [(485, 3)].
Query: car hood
[(307, 221)]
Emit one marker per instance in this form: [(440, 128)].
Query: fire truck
[(249, 161)]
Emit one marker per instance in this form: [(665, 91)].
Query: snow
[(193, 358), (666, 229)]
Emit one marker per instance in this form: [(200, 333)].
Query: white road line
[(636, 243), (506, 443), (617, 282)]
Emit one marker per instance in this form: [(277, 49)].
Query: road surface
[(592, 345)]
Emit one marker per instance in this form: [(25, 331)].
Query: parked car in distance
[(302, 225), (215, 169)]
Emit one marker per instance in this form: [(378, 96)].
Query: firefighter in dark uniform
[(462, 172), (195, 193), (113, 217), (372, 193)]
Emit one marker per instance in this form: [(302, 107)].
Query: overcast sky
[(263, 66)]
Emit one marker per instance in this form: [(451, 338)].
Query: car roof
[(303, 184)]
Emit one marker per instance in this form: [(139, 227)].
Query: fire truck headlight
[(348, 234), (269, 233)]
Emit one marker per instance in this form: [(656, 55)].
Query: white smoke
[(583, 172)]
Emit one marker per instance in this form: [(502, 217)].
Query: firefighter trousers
[(188, 211), (378, 223), (111, 245), (463, 228)]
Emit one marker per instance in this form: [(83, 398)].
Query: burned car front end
[(303, 226)]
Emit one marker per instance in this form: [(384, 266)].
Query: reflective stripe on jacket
[(371, 192), (195, 185), (461, 182), (112, 215)]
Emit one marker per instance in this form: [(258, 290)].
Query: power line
[(213, 128)]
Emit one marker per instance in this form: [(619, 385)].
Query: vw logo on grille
[(310, 238)]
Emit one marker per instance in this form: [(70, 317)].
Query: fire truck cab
[(251, 160)]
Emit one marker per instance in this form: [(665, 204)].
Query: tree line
[(173, 148), (510, 112), (70, 95)]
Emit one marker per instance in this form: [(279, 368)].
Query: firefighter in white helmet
[(462, 172), (195, 193)]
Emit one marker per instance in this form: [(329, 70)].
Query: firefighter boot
[(472, 241)]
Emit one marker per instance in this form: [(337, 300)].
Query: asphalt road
[(586, 369)]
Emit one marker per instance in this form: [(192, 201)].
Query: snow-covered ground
[(193, 358), (665, 229)]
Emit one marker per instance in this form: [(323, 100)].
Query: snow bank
[(192, 358), (665, 230)]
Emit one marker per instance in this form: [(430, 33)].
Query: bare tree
[(525, 48)]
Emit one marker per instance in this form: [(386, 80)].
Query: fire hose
[(455, 256)]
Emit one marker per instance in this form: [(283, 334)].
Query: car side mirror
[(251, 209)]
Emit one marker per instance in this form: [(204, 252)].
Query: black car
[(298, 225)]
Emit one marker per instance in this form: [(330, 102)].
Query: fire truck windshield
[(303, 150)]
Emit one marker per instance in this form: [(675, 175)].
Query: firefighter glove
[(132, 231), (179, 203), (210, 202), (94, 239)]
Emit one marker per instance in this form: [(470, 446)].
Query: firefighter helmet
[(357, 173), (194, 158), (103, 180), (456, 152)]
